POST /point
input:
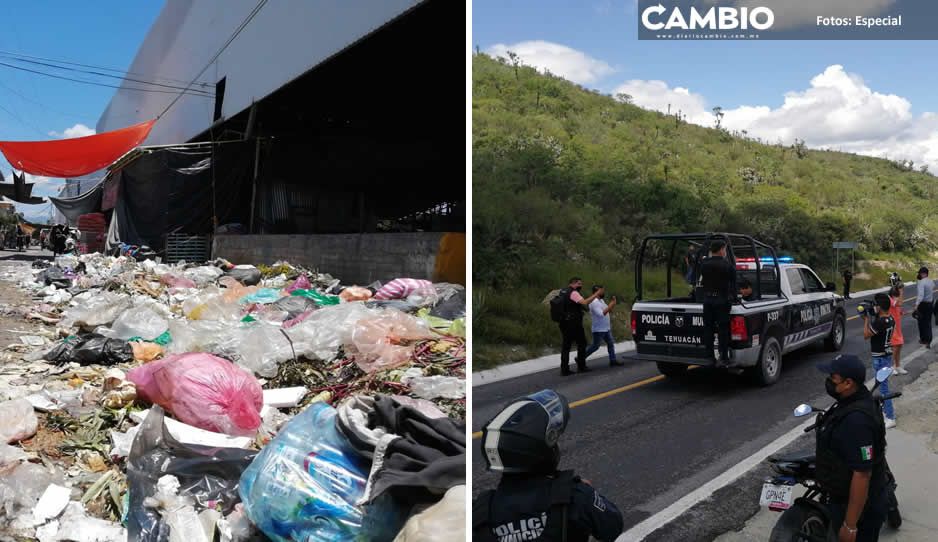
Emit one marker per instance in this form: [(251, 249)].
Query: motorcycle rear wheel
[(797, 520)]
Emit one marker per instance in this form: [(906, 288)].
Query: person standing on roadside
[(718, 279), (848, 276), (571, 324), (896, 312), (878, 329), (602, 327), (924, 289)]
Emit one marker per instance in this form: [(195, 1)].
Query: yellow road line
[(603, 395), (632, 386)]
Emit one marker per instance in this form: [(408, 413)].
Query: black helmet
[(523, 436)]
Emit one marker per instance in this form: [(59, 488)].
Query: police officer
[(533, 500), (718, 281), (848, 276), (851, 453)]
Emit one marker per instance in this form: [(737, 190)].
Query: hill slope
[(567, 181)]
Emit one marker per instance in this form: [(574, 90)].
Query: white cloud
[(791, 14), (78, 130), (837, 110), (560, 60)]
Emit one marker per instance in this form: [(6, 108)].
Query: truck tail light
[(634, 328), (738, 331)]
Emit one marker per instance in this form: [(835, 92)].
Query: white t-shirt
[(600, 320)]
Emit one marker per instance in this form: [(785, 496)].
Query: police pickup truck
[(789, 307)]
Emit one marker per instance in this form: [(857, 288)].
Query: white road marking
[(662, 518)]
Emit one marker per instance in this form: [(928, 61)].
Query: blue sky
[(877, 102), (103, 33)]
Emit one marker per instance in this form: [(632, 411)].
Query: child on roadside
[(896, 311)]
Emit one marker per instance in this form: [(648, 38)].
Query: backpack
[(558, 308)]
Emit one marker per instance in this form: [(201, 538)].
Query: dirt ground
[(917, 409)]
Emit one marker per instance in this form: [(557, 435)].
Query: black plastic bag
[(204, 473), (294, 305), (452, 308), (55, 276), (91, 349), (246, 275)]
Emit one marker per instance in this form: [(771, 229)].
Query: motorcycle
[(807, 518)]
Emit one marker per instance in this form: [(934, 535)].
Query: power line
[(255, 11), (105, 68), (123, 78), (96, 83)]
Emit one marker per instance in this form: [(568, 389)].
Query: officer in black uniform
[(718, 281), (848, 276), (851, 453), (533, 500)]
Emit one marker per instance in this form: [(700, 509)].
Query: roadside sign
[(845, 244)]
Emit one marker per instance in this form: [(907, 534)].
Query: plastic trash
[(262, 296), (66, 261), (304, 484), (236, 527), (284, 397), (90, 349), (17, 421), (203, 275), (301, 283), (452, 307), (11, 455), (177, 281), (202, 390), (377, 338), (295, 305), (287, 324), (210, 304), (141, 322), (51, 503), (431, 387), (441, 522), (100, 309), (422, 406), (146, 351), (188, 434), (319, 298), (206, 475), (355, 293), (263, 348), (444, 327), (121, 442), (247, 275), (76, 526), (21, 487), (118, 392)]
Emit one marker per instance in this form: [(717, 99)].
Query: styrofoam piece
[(52, 502), (188, 434), (285, 397)]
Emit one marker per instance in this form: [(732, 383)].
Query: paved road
[(650, 445)]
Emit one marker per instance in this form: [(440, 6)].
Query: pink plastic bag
[(202, 390), (380, 340), (301, 283), (176, 281)]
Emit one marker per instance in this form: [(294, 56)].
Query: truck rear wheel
[(672, 370), (835, 341), (769, 367)]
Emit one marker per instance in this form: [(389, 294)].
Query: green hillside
[(567, 181)]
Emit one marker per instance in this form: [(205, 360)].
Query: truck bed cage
[(737, 245)]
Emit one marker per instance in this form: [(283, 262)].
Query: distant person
[(896, 312), (602, 327), (924, 289), (745, 289), (690, 266), (894, 279), (848, 276), (718, 281), (534, 500), (567, 310), (878, 329)]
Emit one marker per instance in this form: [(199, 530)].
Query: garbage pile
[(230, 402)]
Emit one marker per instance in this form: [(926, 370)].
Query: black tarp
[(169, 190), (72, 208)]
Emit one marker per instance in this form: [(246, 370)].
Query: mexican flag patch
[(866, 452)]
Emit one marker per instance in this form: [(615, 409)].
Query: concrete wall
[(353, 258)]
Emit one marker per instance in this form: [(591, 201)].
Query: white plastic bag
[(445, 520), (100, 309), (143, 322), (17, 420)]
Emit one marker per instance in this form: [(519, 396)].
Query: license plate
[(776, 497)]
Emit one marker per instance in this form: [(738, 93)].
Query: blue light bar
[(783, 259)]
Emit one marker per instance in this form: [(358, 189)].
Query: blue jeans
[(879, 363), (599, 336)]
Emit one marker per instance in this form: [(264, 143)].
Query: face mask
[(831, 388)]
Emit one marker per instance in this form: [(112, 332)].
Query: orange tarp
[(74, 157)]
